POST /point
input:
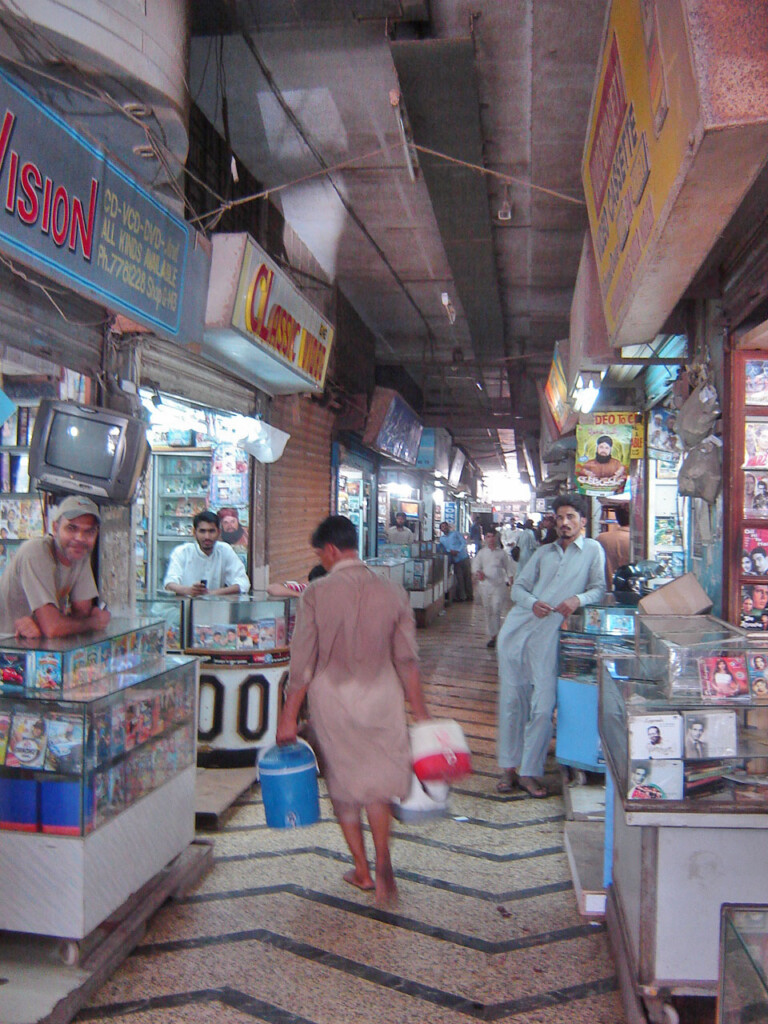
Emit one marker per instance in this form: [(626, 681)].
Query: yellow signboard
[(637, 142)]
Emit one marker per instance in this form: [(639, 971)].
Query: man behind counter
[(206, 565), (48, 588)]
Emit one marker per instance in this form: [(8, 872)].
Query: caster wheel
[(69, 952), (670, 1014)]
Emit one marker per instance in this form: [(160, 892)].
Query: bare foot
[(386, 888), (366, 883)]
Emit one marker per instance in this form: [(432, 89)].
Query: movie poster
[(603, 454)]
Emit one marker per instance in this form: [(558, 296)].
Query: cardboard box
[(683, 596)]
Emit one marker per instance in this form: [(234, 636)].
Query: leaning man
[(206, 565), (48, 588), (559, 578)]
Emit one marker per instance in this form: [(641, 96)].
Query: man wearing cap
[(206, 565), (48, 587), (604, 466)]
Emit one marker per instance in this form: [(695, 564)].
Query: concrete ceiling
[(496, 95)]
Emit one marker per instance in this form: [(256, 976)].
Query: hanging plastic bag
[(701, 473), (697, 416), (264, 442)]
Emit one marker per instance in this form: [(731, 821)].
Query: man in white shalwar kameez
[(559, 578), (492, 570)]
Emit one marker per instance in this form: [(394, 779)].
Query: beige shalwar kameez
[(354, 637)]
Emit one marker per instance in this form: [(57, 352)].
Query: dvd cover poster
[(754, 606), (78, 673), (5, 731), (47, 671), (102, 734), (27, 741), (710, 734), (13, 670), (65, 744), (655, 736), (267, 634), (757, 670), (117, 741), (655, 780), (724, 677)]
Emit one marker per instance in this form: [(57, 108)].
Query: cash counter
[(243, 646)]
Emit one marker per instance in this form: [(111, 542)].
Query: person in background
[(291, 588), (455, 547), (527, 543), (354, 655), (205, 566), (48, 588), (492, 570), (558, 579), (399, 533), (547, 529), (476, 532), (510, 534), (615, 544)]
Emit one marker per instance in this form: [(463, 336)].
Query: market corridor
[(487, 927)]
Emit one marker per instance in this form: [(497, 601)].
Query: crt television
[(84, 449)]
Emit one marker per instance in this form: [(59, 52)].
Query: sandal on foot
[(507, 782), (529, 784)]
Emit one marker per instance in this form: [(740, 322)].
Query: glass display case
[(72, 760), (424, 572), (389, 568), (126, 645), (240, 629), (577, 740), (174, 611), (681, 640), (743, 989), (697, 752)]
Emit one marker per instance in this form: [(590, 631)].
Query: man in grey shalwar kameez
[(558, 579)]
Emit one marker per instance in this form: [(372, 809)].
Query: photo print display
[(655, 736), (757, 669), (754, 551), (756, 444), (754, 606), (756, 382), (755, 495), (655, 780), (709, 734)]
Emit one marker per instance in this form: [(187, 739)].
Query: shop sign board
[(74, 215), (260, 325), (672, 145), (556, 392), (434, 450)]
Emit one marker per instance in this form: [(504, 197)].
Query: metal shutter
[(299, 486)]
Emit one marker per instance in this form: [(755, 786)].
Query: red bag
[(439, 750)]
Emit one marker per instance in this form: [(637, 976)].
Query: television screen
[(82, 445), (85, 449)]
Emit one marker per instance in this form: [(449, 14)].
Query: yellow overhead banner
[(637, 142)]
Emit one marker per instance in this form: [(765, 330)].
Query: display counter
[(389, 567), (243, 646), (97, 781), (578, 742), (743, 990), (425, 579), (690, 807)]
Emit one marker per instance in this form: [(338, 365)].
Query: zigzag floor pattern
[(487, 927)]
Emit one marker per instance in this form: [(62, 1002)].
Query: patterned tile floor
[(487, 927)]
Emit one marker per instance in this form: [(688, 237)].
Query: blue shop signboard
[(76, 216)]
